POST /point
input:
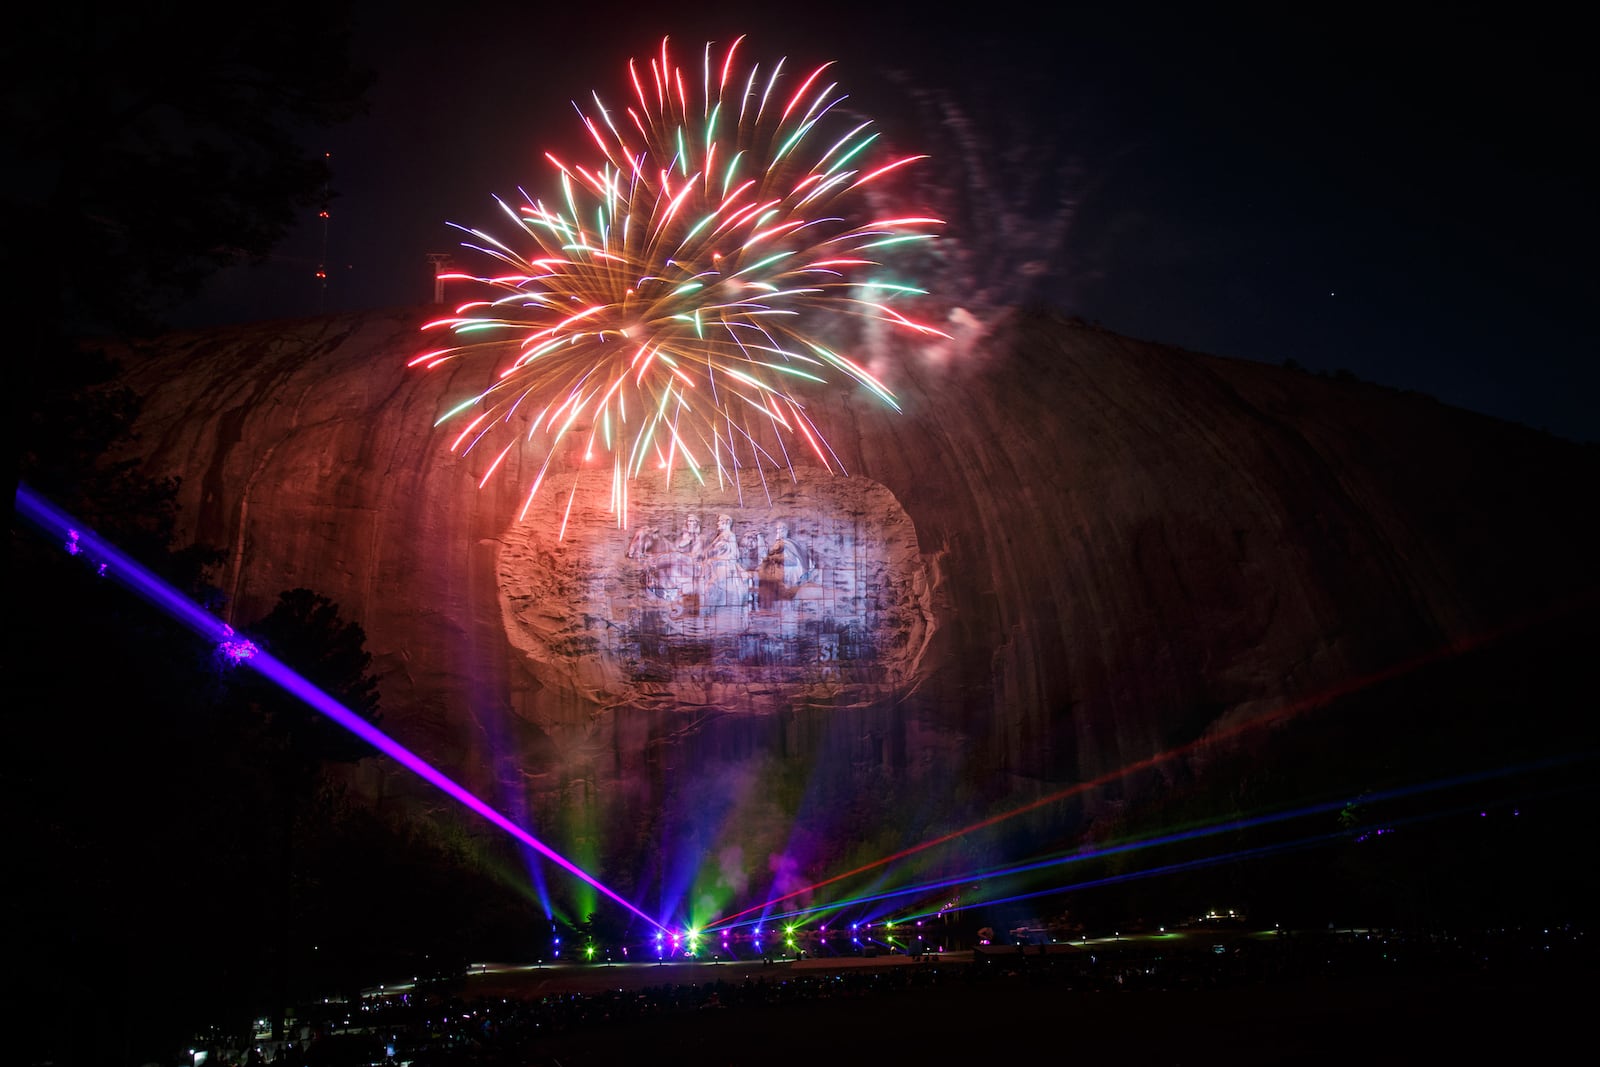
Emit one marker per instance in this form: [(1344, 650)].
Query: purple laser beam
[(111, 562)]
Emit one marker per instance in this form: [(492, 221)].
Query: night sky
[(1405, 197)]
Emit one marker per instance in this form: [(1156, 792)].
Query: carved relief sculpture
[(783, 570), (725, 581), (748, 617)]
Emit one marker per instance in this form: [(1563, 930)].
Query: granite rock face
[(1072, 552)]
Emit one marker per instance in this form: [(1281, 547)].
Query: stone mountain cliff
[(1071, 553)]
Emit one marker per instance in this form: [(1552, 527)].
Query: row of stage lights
[(691, 943)]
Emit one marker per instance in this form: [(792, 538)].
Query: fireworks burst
[(661, 311)]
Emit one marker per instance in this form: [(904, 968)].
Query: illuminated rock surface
[(1071, 553)]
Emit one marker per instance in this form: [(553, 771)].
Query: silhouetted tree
[(147, 146), (305, 631), (282, 747), (154, 144)]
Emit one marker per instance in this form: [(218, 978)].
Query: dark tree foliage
[(182, 858), (154, 144), (306, 632), (147, 147), (131, 850), (73, 419), (276, 750)]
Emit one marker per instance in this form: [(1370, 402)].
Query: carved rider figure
[(783, 569), (677, 569), (724, 579)]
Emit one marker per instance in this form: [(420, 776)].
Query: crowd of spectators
[(452, 1027)]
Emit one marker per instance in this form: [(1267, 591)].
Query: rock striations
[(1071, 554)]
